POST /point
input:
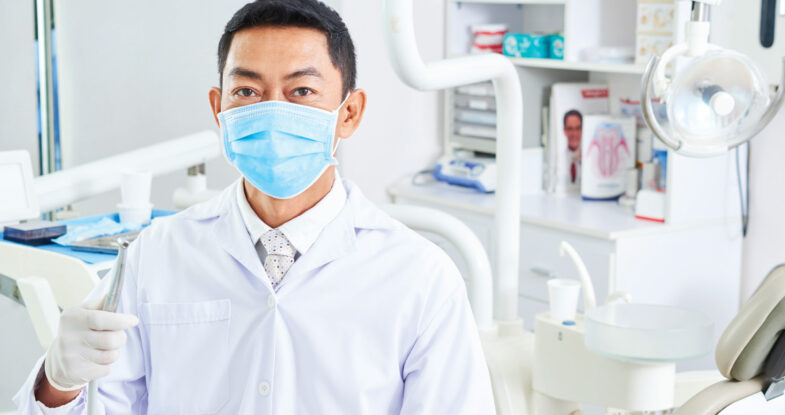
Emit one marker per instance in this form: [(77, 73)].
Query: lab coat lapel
[(337, 239), (230, 232)]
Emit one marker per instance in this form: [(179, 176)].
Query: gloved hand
[(88, 341)]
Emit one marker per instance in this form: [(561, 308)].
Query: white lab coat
[(373, 319)]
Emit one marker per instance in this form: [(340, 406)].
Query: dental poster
[(608, 152), (571, 103)]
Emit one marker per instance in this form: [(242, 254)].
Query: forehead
[(273, 50)]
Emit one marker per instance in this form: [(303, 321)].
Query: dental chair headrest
[(753, 344)]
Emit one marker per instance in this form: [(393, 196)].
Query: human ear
[(351, 114), (215, 102)]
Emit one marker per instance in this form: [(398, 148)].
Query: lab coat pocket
[(189, 356)]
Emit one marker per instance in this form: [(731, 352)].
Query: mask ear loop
[(338, 112)]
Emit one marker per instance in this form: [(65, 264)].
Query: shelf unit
[(697, 189), (620, 68), (532, 16), (543, 72)]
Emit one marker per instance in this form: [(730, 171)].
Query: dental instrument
[(110, 304)]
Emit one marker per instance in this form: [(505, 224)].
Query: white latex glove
[(88, 341)]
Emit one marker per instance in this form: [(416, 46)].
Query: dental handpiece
[(110, 304), (113, 296)]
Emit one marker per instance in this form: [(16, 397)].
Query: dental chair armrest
[(719, 396), (41, 306)]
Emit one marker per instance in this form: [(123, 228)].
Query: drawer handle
[(542, 272)]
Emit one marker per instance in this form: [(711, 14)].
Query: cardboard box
[(570, 103)]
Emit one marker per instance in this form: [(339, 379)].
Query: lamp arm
[(647, 108)]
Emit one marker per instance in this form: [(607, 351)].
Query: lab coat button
[(264, 388), (271, 301)]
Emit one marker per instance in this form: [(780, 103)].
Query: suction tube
[(408, 64)]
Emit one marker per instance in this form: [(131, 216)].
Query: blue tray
[(87, 257)]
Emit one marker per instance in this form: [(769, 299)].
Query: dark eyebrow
[(309, 71), (245, 73)]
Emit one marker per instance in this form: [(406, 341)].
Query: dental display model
[(716, 99), (608, 152)]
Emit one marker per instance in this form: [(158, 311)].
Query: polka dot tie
[(280, 255)]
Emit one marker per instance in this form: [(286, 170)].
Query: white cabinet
[(695, 266)]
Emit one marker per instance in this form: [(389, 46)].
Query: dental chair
[(750, 353), (46, 282)]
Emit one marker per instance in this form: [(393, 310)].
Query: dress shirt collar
[(303, 230)]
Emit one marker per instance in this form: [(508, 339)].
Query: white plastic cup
[(134, 217), (135, 188), (563, 294)]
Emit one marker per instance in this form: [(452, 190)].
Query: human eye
[(302, 92), (245, 92)]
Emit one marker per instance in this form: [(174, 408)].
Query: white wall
[(765, 244), (401, 132), (134, 74), (736, 25)]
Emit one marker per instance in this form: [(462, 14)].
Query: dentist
[(290, 293)]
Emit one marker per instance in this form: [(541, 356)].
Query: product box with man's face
[(570, 103)]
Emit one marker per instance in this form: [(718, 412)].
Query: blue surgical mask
[(280, 147)]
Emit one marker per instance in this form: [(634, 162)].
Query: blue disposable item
[(556, 47), (89, 257), (522, 45), (662, 159), (280, 147), (78, 233)]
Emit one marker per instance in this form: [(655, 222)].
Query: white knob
[(722, 103)]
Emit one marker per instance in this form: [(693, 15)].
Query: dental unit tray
[(104, 244)]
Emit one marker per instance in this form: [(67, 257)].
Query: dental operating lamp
[(716, 99)]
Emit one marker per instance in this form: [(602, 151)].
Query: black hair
[(571, 113), (312, 14)]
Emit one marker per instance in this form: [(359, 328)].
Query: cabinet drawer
[(540, 260)]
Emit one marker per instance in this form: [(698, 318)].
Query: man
[(290, 292), (573, 129)]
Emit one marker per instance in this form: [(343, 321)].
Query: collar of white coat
[(365, 215), (337, 239), (303, 230)]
